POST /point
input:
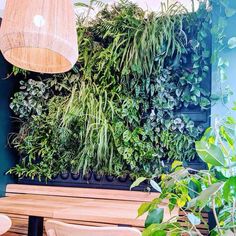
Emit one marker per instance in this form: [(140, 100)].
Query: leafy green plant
[(31, 100), (82, 121), (196, 191), (119, 111)]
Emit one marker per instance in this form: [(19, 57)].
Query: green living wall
[(120, 111)]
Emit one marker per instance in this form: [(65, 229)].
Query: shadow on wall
[(7, 156)]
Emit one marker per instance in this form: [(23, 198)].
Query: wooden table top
[(84, 209)]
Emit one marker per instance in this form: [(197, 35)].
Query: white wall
[(230, 55), (2, 5)]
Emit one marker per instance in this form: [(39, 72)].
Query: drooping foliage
[(121, 109)]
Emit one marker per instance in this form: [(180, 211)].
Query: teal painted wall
[(230, 55), (7, 156)]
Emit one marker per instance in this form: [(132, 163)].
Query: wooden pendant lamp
[(39, 35)]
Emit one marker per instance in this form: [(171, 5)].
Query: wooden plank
[(120, 216), (23, 209), (47, 206), (58, 201), (84, 206), (93, 210), (114, 215), (82, 192), (20, 224)]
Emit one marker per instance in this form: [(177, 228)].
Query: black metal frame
[(102, 182), (35, 226)]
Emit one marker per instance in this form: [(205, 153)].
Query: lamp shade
[(39, 35)]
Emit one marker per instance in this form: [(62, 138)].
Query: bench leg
[(35, 227)]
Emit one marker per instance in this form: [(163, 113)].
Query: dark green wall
[(7, 156)]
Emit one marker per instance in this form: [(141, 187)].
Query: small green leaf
[(155, 185), (210, 153), (229, 189), (151, 230), (144, 208), (232, 42), (229, 12), (194, 220), (137, 182), (194, 187), (204, 102), (155, 217), (176, 164)]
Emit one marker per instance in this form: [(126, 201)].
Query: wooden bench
[(115, 197)]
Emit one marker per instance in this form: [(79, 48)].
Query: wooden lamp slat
[(39, 35)]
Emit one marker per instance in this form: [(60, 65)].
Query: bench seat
[(111, 196), (20, 222)]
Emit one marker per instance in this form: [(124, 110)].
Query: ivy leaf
[(137, 182), (210, 153), (232, 42), (194, 219), (178, 92), (155, 217), (204, 102), (229, 190), (155, 185)]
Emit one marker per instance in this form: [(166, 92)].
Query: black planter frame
[(196, 114), (92, 180)]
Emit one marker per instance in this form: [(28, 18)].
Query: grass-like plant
[(120, 107)]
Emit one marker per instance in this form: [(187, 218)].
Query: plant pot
[(75, 176), (110, 178), (87, 176), (98, 177), (123, 178), (65, 175)]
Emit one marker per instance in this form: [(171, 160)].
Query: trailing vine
[(121, 111), (223, 10)]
